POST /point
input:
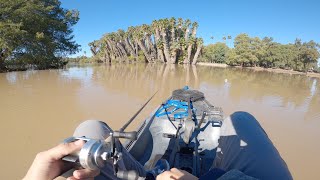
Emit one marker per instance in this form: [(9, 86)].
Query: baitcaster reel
[(96, 153), (92, 155)]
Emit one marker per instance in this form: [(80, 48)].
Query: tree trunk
[(165, 46), (132, 45), (160, 55), (93, 50), (131, 50), (186, 35), (123, 51), (173, 34), (113, 49), (187, 58), (136, 47), (2, 58), (173, 57), (107, 57), (120, 54), (151, 48), (194, 33), (144, 50), (173, 40), (2, 68), (159, 51), (195, 58)]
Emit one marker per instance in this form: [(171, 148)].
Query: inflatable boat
[(184, 130)]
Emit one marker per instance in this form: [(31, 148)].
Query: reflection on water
[(40, 108)]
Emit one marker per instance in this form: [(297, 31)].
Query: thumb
[(64, 149)]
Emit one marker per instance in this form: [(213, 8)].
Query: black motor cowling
[(187, 95)]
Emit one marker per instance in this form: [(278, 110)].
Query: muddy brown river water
[(40, 108)]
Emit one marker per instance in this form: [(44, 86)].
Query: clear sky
[(284, 20)]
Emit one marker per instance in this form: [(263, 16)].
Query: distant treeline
[(35, 34), (79, 59), (174, 41), (253, 51)]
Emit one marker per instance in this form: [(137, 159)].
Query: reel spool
[(93, 155)]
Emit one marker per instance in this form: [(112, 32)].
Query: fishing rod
[(136, 114)]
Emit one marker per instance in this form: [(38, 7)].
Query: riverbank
[(309, 74)]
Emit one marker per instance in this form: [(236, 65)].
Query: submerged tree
[(165, 40)]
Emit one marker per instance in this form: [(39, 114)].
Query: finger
[(62, 150), (165, 175), (85, 173), (73, 178), (175, 170), (176, 173)]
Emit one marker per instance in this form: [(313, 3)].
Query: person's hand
[(48, 164), (175, 174)]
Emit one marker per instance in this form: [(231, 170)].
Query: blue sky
[(284, 20)]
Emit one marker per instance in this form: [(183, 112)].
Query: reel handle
[(93, 155), (126, 135)]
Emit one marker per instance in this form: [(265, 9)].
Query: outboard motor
[(188, 96)]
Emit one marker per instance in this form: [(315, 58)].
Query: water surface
[(40, 108)]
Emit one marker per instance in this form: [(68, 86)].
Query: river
[(40, 108)]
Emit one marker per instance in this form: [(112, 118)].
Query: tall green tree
[(245, 50), (36, 32), (309, 54), (215, 53)]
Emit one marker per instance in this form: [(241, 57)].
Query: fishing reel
[(96, 153)]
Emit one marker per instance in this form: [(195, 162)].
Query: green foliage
[(309, 54), (79, 59), (248, 51), (172, 38), (36, 33), (131, 58), (215, 53), (232, 58), (245, 50), (181, 59), (141, 57)]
